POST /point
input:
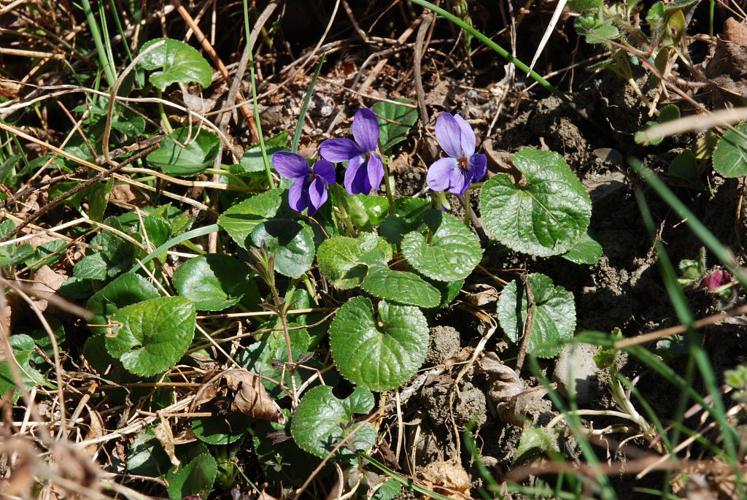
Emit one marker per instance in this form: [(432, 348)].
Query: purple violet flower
[(365, 169), (309, 187), (463, 166)]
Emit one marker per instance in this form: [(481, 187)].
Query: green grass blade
[(107, 65), (255, 106), (194, 233), (490, 43), (305, 106), (401, 479), (574, 423)]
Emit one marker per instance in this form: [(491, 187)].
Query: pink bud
[(716, 279)]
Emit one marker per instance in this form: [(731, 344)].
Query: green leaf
[(175, 62), (11, 255), (596, 30), (157, 229), (252, 160), (452, 252), (408, 216), (685, 166), (269, 355), (401, 287), (215, 282), (535, 440), (344, 261), (24, 351), (449, 291), (381, 351), (240, 220), (195, 477), (291, 243), (221, 429), (321, 420), (553, 321), (730, 155), (151, 336), (544, 217), (91, 267), (366, 211), (46, 254), (585, 251), (395, 121), (185, 152), (146, 456), (666, 114), (125, 290)]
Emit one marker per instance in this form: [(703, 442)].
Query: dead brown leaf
[(46, 282), (244, 393), (75, 465), (165, 436), (512, 398), (448, 478), (22, 465)]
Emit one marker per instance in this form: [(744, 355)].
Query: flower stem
[(388, 186), (340, 205)]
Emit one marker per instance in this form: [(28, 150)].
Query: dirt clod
[(443, 345)]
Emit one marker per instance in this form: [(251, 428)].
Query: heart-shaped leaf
[(344, 261), (175, 62), (221, 429), (730, 155), (553, 319), (195, 477), (290, 242), (185, 152), (124, 290), (240, 220), (452, 252), (378, 351), (151, 336), (215, 282), (395, 121), (547, 215), (321, 420), (585, 251), (401, 286)]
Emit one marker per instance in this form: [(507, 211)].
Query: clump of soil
[(470, 405), (444, 344)]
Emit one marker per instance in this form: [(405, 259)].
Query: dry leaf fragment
[(511, 397), (165, 436), (244, 391), (23, 466), (46, 282), (448, 478)]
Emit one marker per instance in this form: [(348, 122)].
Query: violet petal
[(467, 137), (439, 174), (338, 149), (298, 198), (317, 195), (458, 183), (449, 135), (366, 129), (290, 165), (356, 177), (478, 166), (325, 170), (375, 172)]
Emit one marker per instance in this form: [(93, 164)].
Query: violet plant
[(403, 258)]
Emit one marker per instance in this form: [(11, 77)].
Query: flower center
[(463, 163)]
